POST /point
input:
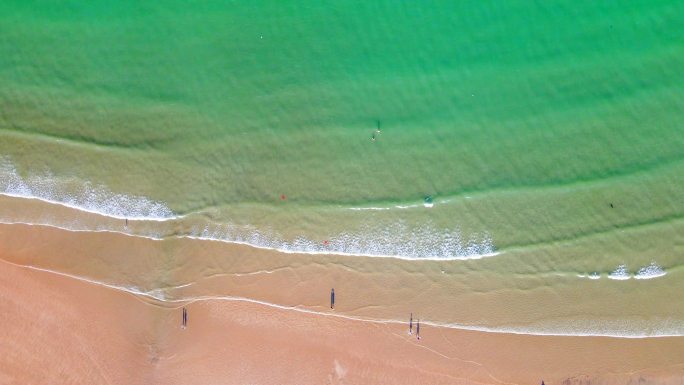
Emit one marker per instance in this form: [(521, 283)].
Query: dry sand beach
[(273, 325)]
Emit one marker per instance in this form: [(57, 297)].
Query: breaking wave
[(398, 241), (621, 273), (650, 271), (79, 195)]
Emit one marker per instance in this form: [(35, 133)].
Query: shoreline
[(187, 301), (318, 349), (201, 270), (99, 216)]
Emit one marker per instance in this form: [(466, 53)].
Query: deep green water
[(524, 121)]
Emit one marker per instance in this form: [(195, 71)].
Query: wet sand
[(60, 330), (63, 329), (57, 330), (465, 293)]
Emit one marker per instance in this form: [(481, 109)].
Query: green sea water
[(527, 124)]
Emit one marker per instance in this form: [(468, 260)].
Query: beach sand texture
[(77, 332), (266, 327)]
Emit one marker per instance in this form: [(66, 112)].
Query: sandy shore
[(464, 293), (59, 329)]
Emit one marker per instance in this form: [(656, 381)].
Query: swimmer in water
[(376, 132)]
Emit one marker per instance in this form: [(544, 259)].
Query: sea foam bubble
[(650, 271), (620, 273)]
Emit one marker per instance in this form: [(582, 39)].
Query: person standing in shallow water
[(377, 131), (332, 298)]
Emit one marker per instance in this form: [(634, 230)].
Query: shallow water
[(550, 135)]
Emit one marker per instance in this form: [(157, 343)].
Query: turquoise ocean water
[(538, 132)]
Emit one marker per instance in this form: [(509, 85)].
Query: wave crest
[(621, 273), (650, 271), (398, 241), (79, 195)]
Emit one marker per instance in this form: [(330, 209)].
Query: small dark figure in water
[(126, 222), (418, 329), (411, 324), (376, 132), (184, 323), (332, 298), (611, 205)]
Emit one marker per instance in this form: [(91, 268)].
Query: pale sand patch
[(57, 330)]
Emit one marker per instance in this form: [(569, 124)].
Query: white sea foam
[(475, 249), (593, 275), (649, 272), (404, 207), (80, 196), (370, 208), (620, 273), (398, 241), (400, 207)]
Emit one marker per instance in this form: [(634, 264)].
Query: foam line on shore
[(621, 273), (648, 272), (72, 230), (254, 245), (483, 329), (152, 294)]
